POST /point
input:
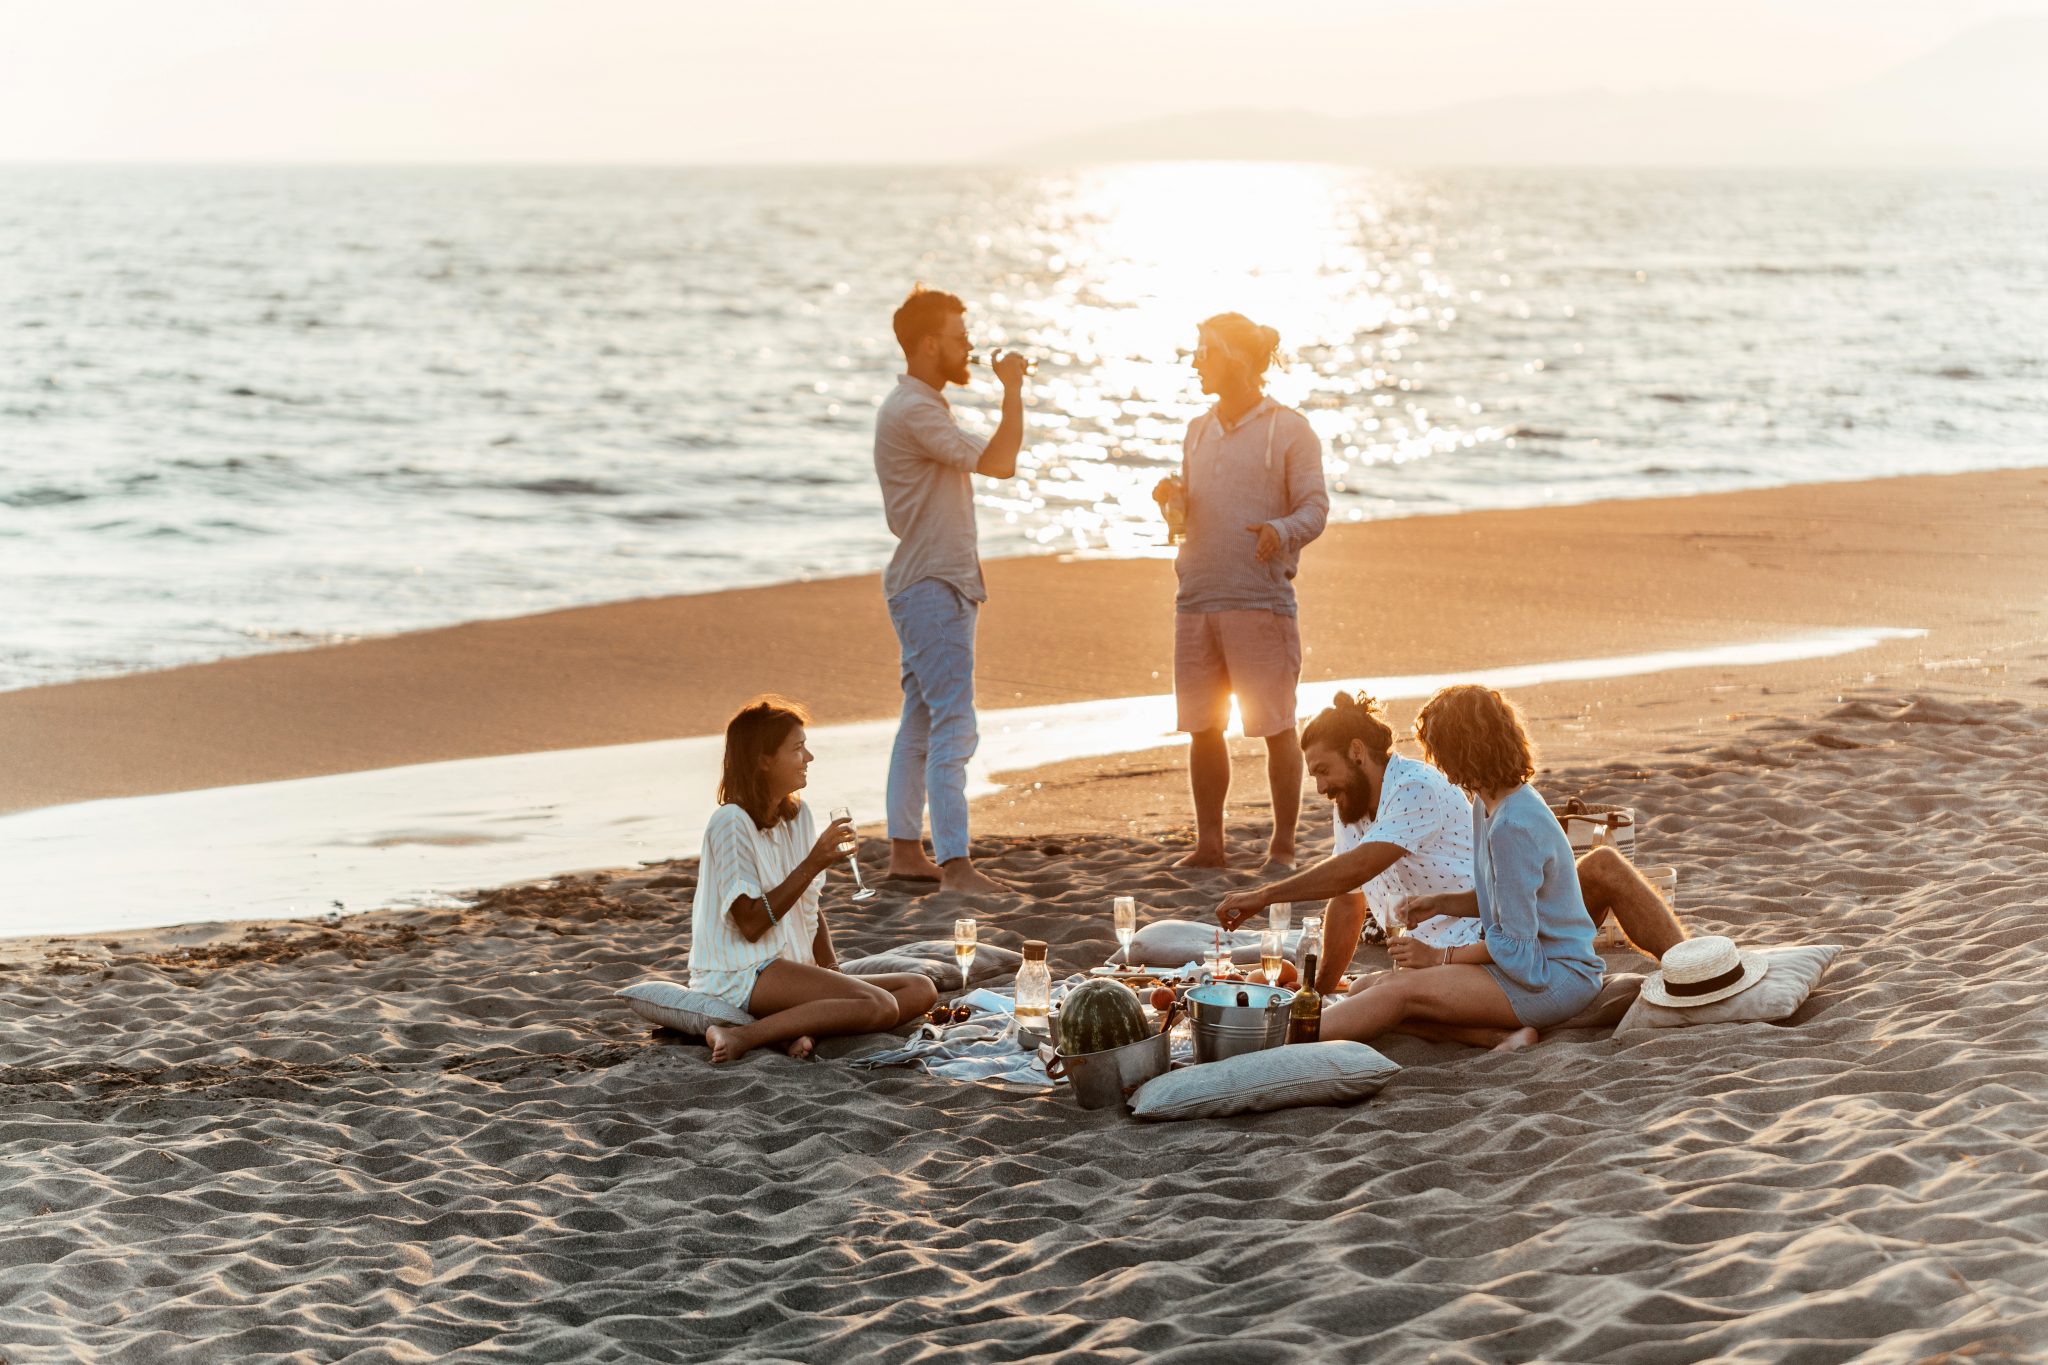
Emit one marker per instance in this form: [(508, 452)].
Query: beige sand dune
[(432, 1136)]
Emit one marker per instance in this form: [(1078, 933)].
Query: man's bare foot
[(1516, 1041), (800, 1048), (1204, 857), (725, 1043), (1277, 866), (907, 858), (962, 875)]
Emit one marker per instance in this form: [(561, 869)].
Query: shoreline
[(1460, 592)]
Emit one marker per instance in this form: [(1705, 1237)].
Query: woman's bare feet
[(1516, 1041), (726, 1044), (800, 1048)]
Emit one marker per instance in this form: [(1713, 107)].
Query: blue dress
[(1531, 915)]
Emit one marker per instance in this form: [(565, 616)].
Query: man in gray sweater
[(1250, 495)]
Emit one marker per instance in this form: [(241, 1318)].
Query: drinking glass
[(1280, 916), (963, 948), (1269, 956), (1218, 954), (850, 846), (1124, 915), (1395, 926)]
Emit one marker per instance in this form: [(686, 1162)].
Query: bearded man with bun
[(1250, 497)]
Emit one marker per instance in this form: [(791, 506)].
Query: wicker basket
[(1590, 824)]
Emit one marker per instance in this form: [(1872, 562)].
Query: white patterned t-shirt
[(742, 859), (1423, 813)]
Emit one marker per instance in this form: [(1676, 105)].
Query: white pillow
[(1253, 1082), (1176, 942), (934, 959), (1784, 988), (679, 1007)]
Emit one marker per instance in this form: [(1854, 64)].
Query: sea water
[(245, 409)]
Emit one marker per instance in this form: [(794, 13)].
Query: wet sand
[(1960, 555)]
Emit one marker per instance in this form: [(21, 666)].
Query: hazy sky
[(805, 80)]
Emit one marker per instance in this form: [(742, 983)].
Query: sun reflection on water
[(1123, 262)]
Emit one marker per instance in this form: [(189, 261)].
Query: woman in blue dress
[(1534, 966)]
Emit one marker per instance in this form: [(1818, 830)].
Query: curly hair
[(752, 736), (1477, 738), (1348, 718)]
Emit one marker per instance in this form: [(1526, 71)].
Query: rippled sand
[(427, 1136)]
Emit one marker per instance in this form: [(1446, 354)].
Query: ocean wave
[(563, 487), (43, 495)]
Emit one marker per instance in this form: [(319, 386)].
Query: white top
[(1420, 811), (925, 463), (741, 859)]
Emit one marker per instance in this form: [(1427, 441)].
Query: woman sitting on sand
[(758, 937), (1534, 966)]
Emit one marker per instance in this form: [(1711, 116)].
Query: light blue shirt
[(1531, 914)]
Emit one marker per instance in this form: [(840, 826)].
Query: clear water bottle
[(1034, 989)]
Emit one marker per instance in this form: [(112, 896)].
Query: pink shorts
[(1256, 654)]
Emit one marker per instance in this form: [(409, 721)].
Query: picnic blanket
[(988, 1048)]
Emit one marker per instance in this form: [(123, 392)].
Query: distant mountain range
[(1981, 99)]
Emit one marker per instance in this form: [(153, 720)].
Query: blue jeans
[(935, 627)]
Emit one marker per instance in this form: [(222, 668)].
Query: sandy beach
[(431, 1135)]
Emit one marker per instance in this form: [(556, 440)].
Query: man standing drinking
[(925, 463), (1251, 484)]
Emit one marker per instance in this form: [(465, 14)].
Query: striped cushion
[(1253, 1082), (679, 1007)]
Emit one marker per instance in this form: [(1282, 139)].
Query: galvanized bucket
[(1224, 1028), (1110, 1077)]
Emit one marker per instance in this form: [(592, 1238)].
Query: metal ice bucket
[(1106, 1079), (1224, 1028)]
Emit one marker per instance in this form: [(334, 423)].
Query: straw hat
[(1700, 971)]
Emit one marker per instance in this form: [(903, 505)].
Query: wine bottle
[(1305, 1015)]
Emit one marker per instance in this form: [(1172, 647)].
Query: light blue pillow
[(679, 1007), (1253, 1082)]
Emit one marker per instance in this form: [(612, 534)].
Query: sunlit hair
[(1251, 345), (1348, 718), (1477, 738), (922, 315), (762, 726)]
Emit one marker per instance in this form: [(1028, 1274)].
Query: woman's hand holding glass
[(1408, 954), (826, 851)]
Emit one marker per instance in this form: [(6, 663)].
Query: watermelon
[(1099, 1015)]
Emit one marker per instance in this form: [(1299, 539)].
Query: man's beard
[(959, 375), (1354, 797)]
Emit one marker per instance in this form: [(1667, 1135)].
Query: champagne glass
[(1269, 956), (1124, 915), (850, 846), (1395, 925), (1280, 916), (963, 948)]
